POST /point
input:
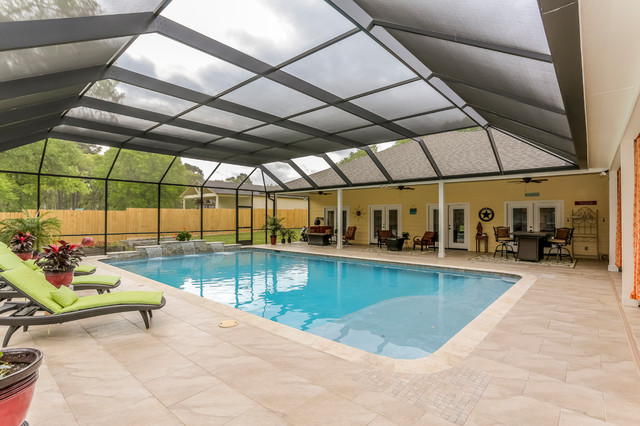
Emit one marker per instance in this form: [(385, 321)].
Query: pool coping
[(454, 351)]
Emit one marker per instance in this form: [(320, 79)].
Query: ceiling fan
[(528, 180), (402, 187), (323, 193)]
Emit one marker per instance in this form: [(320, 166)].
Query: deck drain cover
[(228, 323)]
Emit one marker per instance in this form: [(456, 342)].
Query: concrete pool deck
[(562, 351)]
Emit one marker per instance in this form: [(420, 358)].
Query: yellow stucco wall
[(493, 194)]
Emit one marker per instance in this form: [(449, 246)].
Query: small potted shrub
[(18, 376), (183, 235), (22, 245), (58, 262), (273, 225), (291, 234)]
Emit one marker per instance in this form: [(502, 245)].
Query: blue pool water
[(399, 312)]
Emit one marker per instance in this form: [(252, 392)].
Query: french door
[(384, 217), (331, 220), (537, 216), (456, 229)]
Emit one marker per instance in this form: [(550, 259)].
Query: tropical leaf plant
[(45, 229), (60, 258)]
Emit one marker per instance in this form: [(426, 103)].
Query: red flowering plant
[(60, 258), (184, 235), (22, 242)]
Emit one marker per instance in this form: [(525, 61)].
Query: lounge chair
[(350, 235), (64, 305), (80, 269), (100, 283), (428, 240)]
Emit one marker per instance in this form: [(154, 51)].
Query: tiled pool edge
[(449, 355)]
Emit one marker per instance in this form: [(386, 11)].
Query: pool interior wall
[(392, 309)]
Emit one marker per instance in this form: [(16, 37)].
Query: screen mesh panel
[(462, 152), (405, 160), (517, 155)]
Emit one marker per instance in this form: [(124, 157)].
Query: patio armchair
[(349, 235), (64, 305), (383, 235), (504, 240), (428, 240), (559, 242)]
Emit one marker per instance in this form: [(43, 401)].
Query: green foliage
[(183, 235), (273, 225), (357, 154), (239, 179), (43, 228), (19, 192)]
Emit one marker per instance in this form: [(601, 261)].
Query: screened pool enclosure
[(109, 105)]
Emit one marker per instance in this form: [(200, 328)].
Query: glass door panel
[(520, 217), (393, 221), (547, 220), (456, 227), (376, 224)]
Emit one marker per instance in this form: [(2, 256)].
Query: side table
[(485, 238)]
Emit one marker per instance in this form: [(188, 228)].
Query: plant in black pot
[(22, 245), (291, 235), (59, 261), (18, 375), (273, 225)]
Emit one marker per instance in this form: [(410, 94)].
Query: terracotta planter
[(273, 240), (16, 390), (59, 278), (24, 255)]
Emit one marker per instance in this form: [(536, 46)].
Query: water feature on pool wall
[(174, 248)]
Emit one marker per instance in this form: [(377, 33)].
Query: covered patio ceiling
[(292, 89)]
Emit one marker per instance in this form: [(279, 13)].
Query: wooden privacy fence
[(139, 221)]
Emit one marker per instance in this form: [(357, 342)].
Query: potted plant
[(292, 234), (22, 245), (183, 235), (273, 225), (284, 233), (18, 376), (58, 262), (43, 228)]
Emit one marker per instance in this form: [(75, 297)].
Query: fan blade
[(539, 180)]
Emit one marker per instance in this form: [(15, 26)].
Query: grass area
[(258, 237)]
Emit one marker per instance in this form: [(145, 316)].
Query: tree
[(357, 154), (239, 179)]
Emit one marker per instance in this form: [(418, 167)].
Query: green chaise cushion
[(107, 280), (64, 296), (34, 285), (31, 263), (117, 298), (9, 261), (84, 269)]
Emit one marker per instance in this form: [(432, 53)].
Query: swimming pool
[(387, 309)]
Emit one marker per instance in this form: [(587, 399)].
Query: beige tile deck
[(554, 351)]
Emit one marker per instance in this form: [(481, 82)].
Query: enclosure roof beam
[(49, 32), (302, 174), (47, 82), (22, 140), (337, 169), (273, 177), (38, 110), (378, 164)]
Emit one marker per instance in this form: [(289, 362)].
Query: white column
[(613, 212), (441, 231), (627, 178), (339, 220)]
